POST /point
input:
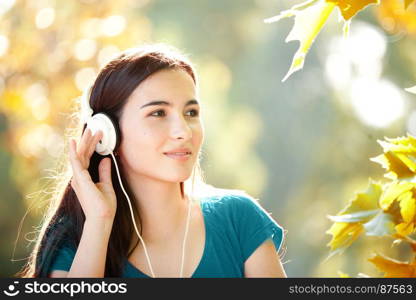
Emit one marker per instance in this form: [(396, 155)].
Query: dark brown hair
[(64, 220)]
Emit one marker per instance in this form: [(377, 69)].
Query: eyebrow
[(161, 102)]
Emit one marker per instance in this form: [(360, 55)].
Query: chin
[(179, 178), (183, 178)]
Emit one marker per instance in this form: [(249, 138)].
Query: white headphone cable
[(184, 238), (137, 231)]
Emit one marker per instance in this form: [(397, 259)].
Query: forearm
[(90, 258)]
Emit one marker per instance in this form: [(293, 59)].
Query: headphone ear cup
[(111, 133)]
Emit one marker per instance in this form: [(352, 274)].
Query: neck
[(162, 209)]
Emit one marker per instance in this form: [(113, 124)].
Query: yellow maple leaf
[(362, 207), (393, 191), (393, 268), (361, 214), (399, 158), (404, 229), (310, 17), (349, 8), (367, 200), (344, 234), (407, 206), (400, 144)]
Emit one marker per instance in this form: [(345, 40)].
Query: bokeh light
[(377, 102), (45, 17)]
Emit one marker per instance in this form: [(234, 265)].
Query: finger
[(81, 177), (84, 142), (95, 139), (75, 163), (105, 171)]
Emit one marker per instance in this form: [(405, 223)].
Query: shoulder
[(229, 197), (225, 198), (231, 203), (245, 217)]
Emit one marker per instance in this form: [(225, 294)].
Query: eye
[(157, 112), (161, 113), (195, 112)]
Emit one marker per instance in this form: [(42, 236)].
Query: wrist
[(102, 224)]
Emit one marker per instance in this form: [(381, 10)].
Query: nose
[(181, 129)]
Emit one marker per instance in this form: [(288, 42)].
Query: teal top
[(235, 226)]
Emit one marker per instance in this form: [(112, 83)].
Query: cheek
[(148, 138), (197, 135), (139, 139)]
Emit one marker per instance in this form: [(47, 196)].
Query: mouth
[(178, 155)]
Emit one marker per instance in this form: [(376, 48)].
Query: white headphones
[(109, 142), (101, 121)]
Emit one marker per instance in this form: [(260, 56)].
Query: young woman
[(187, 227)]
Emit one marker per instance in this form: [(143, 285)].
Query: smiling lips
[(179, 154)]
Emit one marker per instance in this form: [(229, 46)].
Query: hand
[(98, 200)]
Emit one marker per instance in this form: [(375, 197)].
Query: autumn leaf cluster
[(384, 208)]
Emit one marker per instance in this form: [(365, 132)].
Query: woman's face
[(160, 116)]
